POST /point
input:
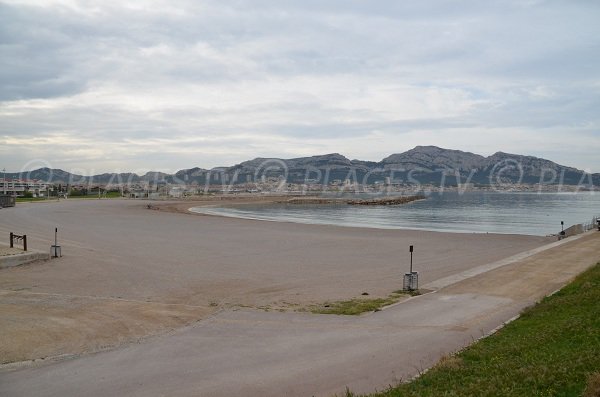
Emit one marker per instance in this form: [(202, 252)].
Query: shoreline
[(350, 226), (187, 207)]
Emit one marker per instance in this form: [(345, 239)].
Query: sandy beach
[(174, 303), (129, 272)]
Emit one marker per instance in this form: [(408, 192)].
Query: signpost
[(55, 250)]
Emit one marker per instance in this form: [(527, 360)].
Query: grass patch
[(109, 195), (356, 306), (31, 199), (553, 349)]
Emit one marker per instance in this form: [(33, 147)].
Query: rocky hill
[(431, 158), (423, 164)]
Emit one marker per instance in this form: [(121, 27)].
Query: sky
[(120, 85)]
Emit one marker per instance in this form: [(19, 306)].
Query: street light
[(4, 180)]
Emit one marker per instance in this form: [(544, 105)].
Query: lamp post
[(4, 180)]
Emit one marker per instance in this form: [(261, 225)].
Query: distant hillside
[(423, 164)]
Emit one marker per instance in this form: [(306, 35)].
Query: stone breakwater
[(378, 201), (387, 201)]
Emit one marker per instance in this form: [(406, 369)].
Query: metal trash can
[(411, 281), (55, 251)]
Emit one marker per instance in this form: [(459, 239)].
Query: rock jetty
[(313, 200), (387, 200), (398, 200)]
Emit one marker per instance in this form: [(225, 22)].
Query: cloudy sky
[(114, 85)]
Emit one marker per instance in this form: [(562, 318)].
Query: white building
[(177, 191), (18, 187)]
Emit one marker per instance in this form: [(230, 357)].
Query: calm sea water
[(475, 212)]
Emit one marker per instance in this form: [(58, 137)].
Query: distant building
[(18, 187), (177, 191), (136, 194)]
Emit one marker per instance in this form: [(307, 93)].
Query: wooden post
[(11, 240), (24, 242)]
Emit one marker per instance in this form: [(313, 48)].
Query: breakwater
[(339, 201), (387, 200)]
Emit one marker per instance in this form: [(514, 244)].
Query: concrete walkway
[(254, 353)]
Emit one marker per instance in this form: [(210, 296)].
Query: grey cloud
[(496, 54), (29, 65), (357, 130)]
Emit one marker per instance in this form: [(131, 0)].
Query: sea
[(528, 213)]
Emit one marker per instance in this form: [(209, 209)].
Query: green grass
[(32, 199), (109, 195), (356, 306), (553, 349)]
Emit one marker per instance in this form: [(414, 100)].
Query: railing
[(591, 225), (15, 238)]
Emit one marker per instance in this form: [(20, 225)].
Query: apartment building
[(18, 187)]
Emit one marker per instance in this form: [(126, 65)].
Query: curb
[(22, 259)]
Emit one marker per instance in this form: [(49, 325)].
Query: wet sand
[(129, 272)]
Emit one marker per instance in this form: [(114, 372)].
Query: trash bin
[(55, 251), (411, 281)]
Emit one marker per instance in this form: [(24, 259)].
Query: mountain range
[(423, 164)]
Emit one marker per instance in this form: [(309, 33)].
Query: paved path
[(254, 353)]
